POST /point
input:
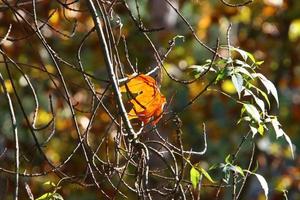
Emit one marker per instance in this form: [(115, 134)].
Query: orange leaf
[(147, 101)]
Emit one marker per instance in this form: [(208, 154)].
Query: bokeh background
[(269, 29)]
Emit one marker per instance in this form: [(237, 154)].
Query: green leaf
[(253, 112), (242, 64), (242, 70), (45, 196), (260, 103), (288, 139), (206, 175), (262, 182), (49, 183), (277, 127), (199, 69), (226, 177), (253, 130), (226, 171), (50, 196), (260, 92), (243, 53), (261, 129), (238, 169), (251, 57), (214, 166), (228, 159), (57, 196), (237, 80), (268, 85), (221, 75), (257, 100), (246, 119), (227, 168), (194, 177), (279, 133), (259, 62), (221, 64), (265, 96)]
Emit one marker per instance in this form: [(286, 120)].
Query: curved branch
[(16, 137)]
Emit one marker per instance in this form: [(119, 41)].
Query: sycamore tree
[(104, 99)]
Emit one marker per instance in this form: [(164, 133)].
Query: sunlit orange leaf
[(146, 99)]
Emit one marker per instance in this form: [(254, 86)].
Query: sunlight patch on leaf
[(261, 129), (268, 85), (194, 177), (253, 130), (279, 133), (262, 182), (245, 55), (242, 70), (253, 112), (205, 173), (237, 80), (258, 101)]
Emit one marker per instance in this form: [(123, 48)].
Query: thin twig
[(236, 4)]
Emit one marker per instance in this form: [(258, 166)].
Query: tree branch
[(110, 68)]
